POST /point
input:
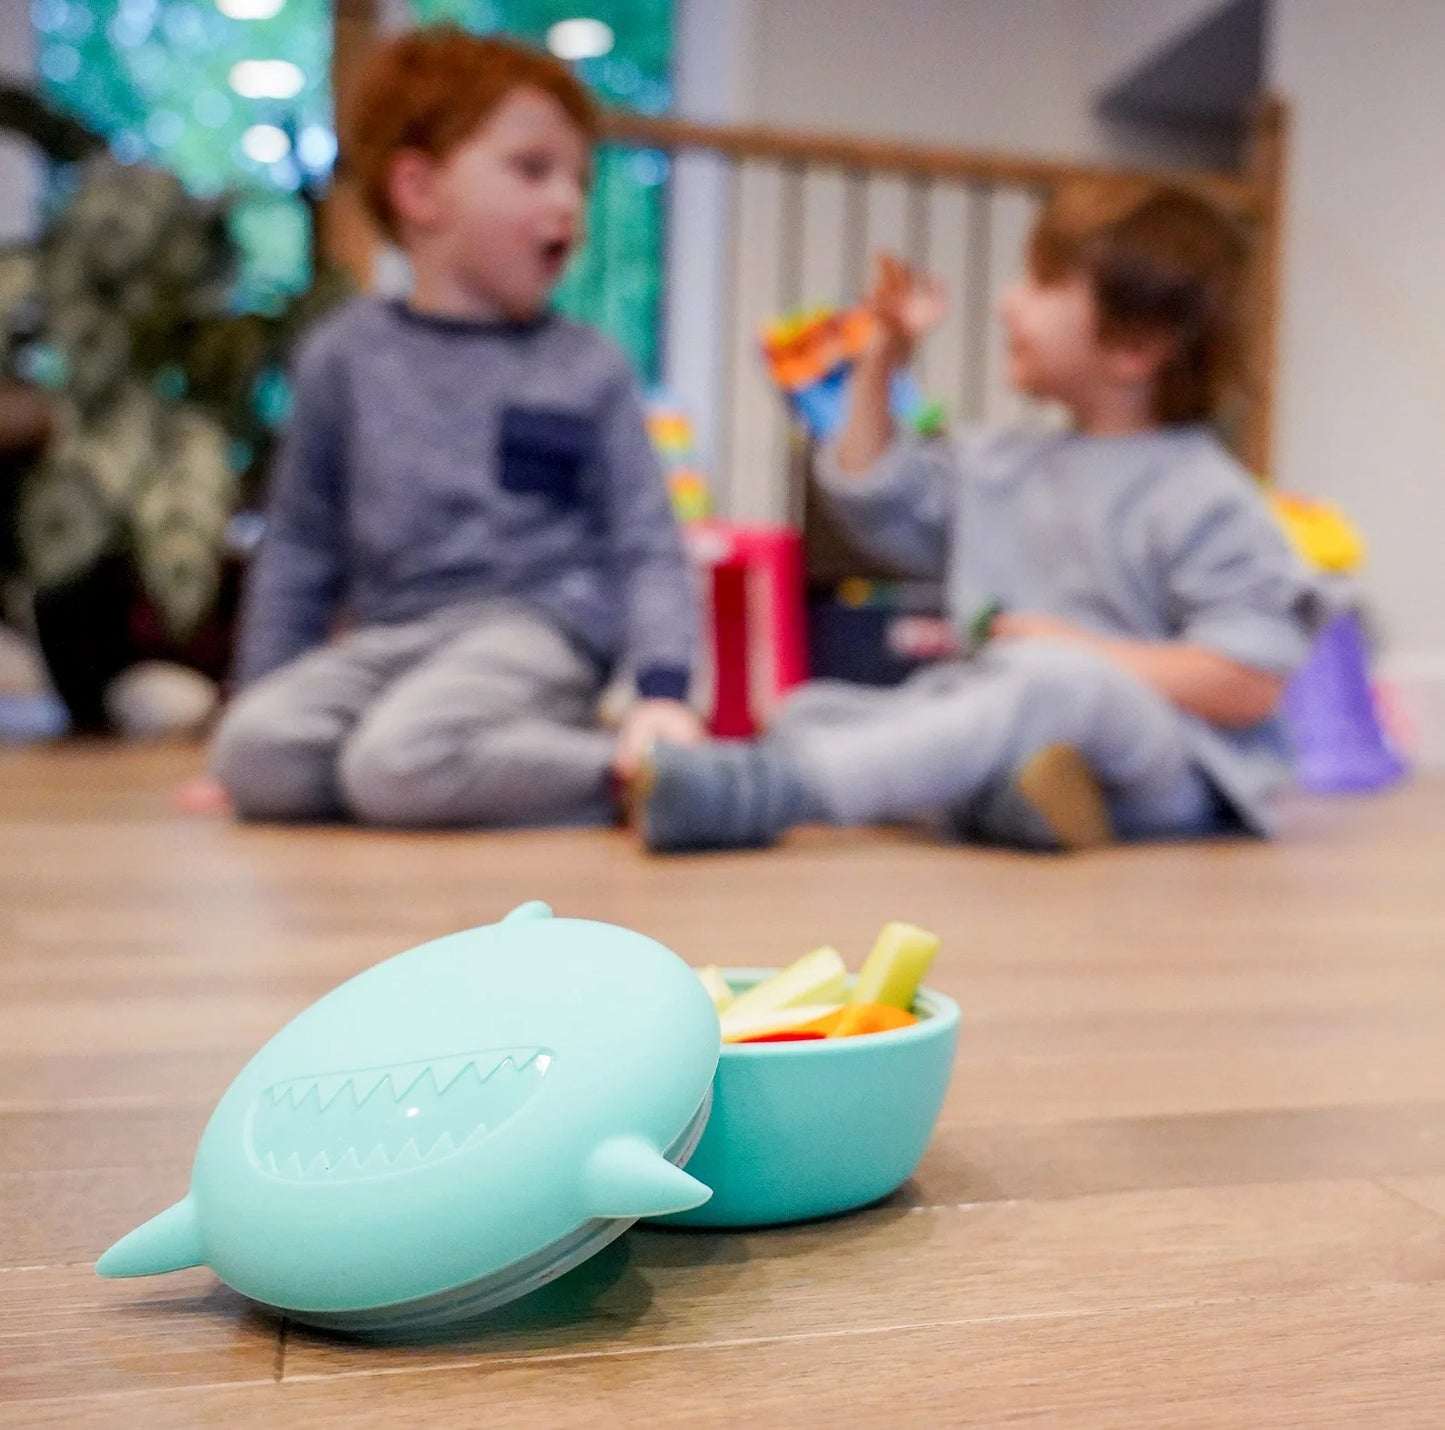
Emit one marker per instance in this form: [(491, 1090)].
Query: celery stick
[(895, 968)]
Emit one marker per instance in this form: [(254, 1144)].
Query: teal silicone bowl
[(811, 1129)]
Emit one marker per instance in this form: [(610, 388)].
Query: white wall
[(1362, 365), (967, 72), (19, 172), (1121, 32), (1005, 74)]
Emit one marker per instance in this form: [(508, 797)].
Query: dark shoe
[(730, 795)]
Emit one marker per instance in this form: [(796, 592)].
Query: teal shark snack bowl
[(450, 1129), (812, 1129)]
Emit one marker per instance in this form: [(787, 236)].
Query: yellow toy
[(673, 439), (804, 347), (1320, 533), (691, 498)]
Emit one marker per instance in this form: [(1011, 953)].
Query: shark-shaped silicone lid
[(450, 1129)]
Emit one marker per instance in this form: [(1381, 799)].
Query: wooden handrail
[(1268, 164), (1245, 198)]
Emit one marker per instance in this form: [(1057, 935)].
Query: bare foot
[(201, 796)]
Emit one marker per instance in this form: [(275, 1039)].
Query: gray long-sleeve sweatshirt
[(1156, 536), (432, 462)]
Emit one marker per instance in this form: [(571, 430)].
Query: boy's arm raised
[(895, 494), (905, 307), (868, 428)]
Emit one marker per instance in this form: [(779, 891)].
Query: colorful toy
[(691, 495), (753, 577), (931, 420), (809, 354), (670, 429), (1330, 707), (675, 441), (450, 1130), (804, 346), (1320, 533), (1340, 744), (980, 628)]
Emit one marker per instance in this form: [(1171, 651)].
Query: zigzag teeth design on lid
[(328, 1087), (378, 1121)]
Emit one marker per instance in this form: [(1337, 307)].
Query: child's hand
[(906, 307), (1037, 626), (648, 722)]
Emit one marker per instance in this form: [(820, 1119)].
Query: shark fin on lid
[(628, 1177), (528, 913), (170, 1241)]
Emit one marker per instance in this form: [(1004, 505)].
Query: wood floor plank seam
[(940, 1323), (616, 1353), (48, 1266), (1385, 1185)]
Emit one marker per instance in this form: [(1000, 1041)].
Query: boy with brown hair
[(1149, 609), (467, 476)]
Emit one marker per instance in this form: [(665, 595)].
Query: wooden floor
[(1191, 1170)]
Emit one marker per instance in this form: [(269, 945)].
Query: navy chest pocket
[(545, 453)]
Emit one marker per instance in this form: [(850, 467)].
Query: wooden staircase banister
[(1243, 197)]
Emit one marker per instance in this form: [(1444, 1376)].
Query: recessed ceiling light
[(580, 39), (250, 9), (267, 79), (265, 143)]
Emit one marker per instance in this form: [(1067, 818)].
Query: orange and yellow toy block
[(691, 495), (675, 441), (809, 354), (804, 347)]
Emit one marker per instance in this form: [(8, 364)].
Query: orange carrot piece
[(860, 1018), (789, 1035), (851, 1021)]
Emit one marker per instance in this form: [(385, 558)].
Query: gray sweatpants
[(474, 716), (944, 744)]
